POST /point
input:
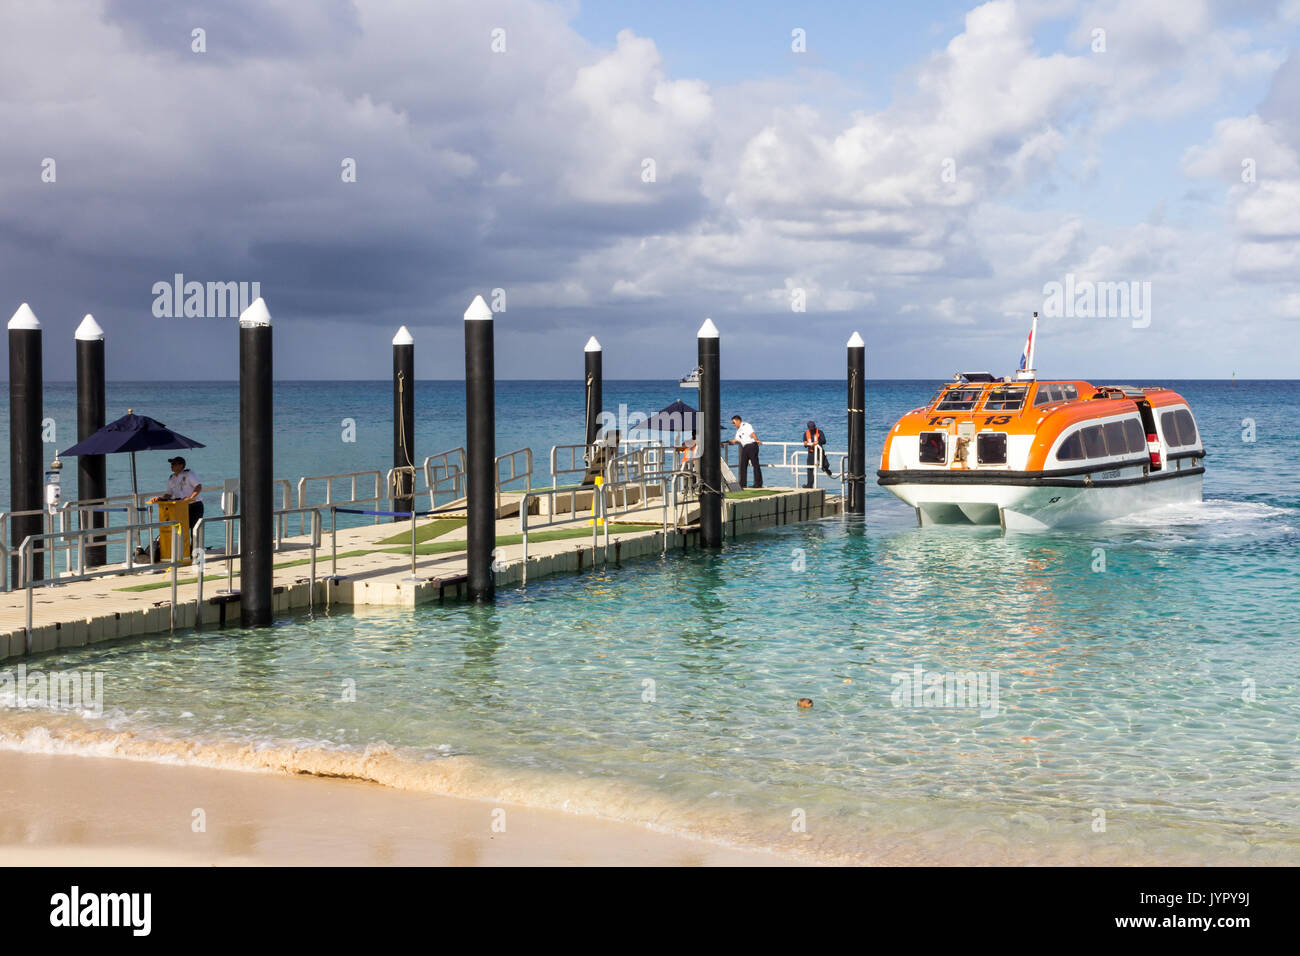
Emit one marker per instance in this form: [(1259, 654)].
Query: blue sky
[(919, 174)]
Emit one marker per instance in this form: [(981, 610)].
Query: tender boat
[(690, 380), (1030, 455)]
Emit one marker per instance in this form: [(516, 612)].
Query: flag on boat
[(1029, 350)]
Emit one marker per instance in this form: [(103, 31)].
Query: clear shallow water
[(1119, 691)]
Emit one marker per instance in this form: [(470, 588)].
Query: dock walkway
[(373, 568)]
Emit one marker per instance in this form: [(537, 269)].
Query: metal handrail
[(602, 508), (25, 562), (6, 552), (447, 466), (329, 480), (512, 457), (794, 457), (569, 453), (202, 556), (139, 501)]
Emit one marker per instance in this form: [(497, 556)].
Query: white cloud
[(524, 169)]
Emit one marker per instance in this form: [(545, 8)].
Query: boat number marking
[(1054, 500), (991, 420)]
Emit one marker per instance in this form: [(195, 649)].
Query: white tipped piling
[(592, 345), (480, 448), (403, 337), (89, 330), (24, 319), (708, 330), (478, 311), (256, 457), (255, 315), (855, 341), (26, 470)]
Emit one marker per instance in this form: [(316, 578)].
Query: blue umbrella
[(131, 433), (676, 417)]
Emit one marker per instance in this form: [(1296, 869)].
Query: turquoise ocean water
[(1147, 711)]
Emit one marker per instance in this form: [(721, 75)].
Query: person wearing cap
[(183, 485), (813, 438)]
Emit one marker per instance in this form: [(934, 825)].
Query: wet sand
[(94, 811)]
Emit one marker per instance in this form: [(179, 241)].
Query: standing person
[(690, 450), (184, 485), (813, 439), (691, 456), (748, 443)]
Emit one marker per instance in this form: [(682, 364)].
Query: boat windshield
[(1051, 393), (959, 399), (1006, 398)]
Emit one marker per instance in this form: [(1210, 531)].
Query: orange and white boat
[(1030, 455)]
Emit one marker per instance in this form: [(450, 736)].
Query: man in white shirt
[(184, 485), (748, 443)]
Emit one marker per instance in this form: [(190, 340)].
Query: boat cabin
[(978, 421)]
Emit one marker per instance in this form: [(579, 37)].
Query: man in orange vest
[(813, 440)]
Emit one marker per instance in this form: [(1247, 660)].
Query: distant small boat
[(690, 380)]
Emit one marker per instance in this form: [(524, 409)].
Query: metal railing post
[(523, 532), (413, 528), (315, 542), (200, 531), (663, 491), (24, 552), (176, 563)]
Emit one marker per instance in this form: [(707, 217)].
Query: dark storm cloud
[(237, 28)]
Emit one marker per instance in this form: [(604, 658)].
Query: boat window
[(933, 448), (959, 400), (991, 448), (1094, 442), (1071, 449), (1006, 399), (1137, 441), (1116, 439), (1186, 427), (1048, 394), (1169, 425)]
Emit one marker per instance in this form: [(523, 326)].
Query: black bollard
[(595, 375), (857, 464), (403, 491), (26, 470), (710, 439), (256, 458), (91, 474), (480, 437)]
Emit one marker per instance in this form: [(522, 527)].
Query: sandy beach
[(88, 811)]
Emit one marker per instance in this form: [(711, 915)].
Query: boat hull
[(1043, 503)]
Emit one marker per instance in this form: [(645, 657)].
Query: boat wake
[(1211, 520)]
